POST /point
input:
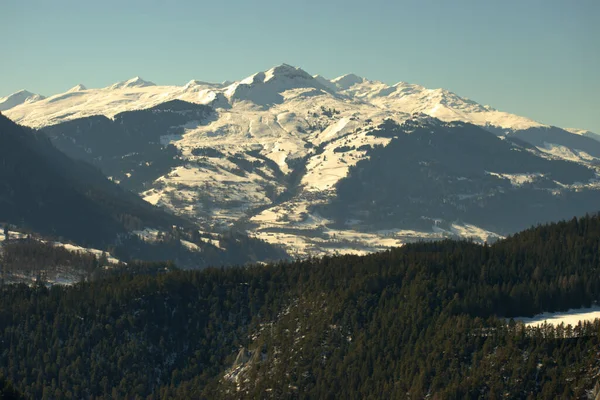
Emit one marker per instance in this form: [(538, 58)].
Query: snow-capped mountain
[(77, 88), (17, 98), (280, 154), (266, 88), (279, 85), (136, 82)]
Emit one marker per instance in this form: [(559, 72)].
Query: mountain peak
[(286, 71), (347, 81), (277, 73), (139, 81), (264, 88), (325, 82), (135, 82), (22, 92), (196, 85), (77, 88), (18, 98)]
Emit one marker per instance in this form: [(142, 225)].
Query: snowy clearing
[(571, 317)]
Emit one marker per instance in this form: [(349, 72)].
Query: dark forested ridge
[(44, 190), (8, 392), (423, 321)]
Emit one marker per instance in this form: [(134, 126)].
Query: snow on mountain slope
[(66, 274), (79, 102), (345, 82), (326, 169), (132, 83), (583, 132), (439, 103), (69, 246), (264, 90), (325, 82), (571, 317), (563, 152), (20, 97), (77, 88), (279, 142)]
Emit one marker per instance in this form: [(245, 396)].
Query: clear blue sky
[(538, 58)]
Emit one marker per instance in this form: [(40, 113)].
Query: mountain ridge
[(272, 150), (18, 98), (351, 85)]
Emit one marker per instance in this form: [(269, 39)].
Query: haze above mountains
[(323, 166)]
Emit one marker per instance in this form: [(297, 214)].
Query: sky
[(536, 58)]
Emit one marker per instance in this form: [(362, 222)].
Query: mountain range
[(324, 166)]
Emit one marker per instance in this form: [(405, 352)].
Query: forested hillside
[(44, 190), (428, 320)]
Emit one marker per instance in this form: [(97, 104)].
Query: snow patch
[(571, 317), (566, 153), (518, 179)]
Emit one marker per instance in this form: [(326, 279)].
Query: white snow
[(304, 233), (347, 81), (283, 115), (96, 252), (326, 169), (466, 231), (518, 179), (263, 89), (152, 235), (565, 153), (473, 232), (68, 246), (583, 132), (571, 317), (20, 97), (132, 83), (12, 235), (120, 97), (77, 88)]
